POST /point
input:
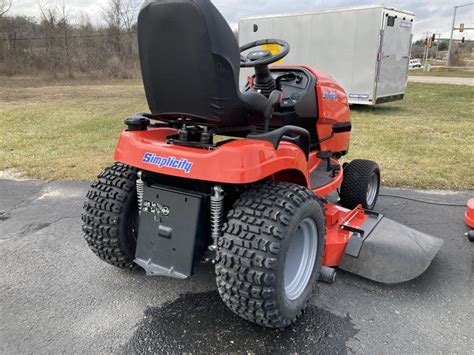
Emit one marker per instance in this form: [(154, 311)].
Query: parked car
[(415, 63)]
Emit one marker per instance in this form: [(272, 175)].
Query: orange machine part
[(237, 162), (469, 217), (331, 111), (337, 238)]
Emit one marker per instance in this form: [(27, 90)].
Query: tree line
[(60, 43), (461, 53)]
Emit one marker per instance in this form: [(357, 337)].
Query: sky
[(433, 16)]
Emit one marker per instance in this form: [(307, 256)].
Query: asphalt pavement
[(57, 297), (441, 80)]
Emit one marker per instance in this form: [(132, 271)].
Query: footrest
[(326, 154)]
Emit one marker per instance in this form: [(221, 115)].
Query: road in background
[(56, 296), (441, 80)]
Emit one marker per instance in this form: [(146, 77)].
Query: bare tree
[(49, 26), (129, 14), (5, 45), (64, 27), (112, 14), (5, 5), (58, 42), (120, 16), (129, 17)]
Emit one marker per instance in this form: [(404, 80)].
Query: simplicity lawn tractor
[(255, 201)]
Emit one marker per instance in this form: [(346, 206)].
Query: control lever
[(289, 77), (273, 103), (285, 77)]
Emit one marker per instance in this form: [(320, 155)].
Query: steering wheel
[(263, 57)]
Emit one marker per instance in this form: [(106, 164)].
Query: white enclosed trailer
[(366, 49)]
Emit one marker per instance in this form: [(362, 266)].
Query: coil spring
[(217, 214), (140, 191)]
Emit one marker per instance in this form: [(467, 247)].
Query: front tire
[(269, 256), (110, 216), (361, 184)]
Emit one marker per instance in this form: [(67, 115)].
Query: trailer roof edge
[(337, 9)]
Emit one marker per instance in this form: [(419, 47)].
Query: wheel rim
[(300, 258), (372, 189)]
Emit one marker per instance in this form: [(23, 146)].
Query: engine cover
[(172, 231)]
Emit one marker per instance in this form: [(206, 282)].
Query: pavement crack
[(4, 216), (28, 199), (35, 227)]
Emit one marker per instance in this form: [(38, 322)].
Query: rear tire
[(257, 277), (110, 216), (361, 184)]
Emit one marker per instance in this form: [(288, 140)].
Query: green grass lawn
[(444, 72), (68, 130), (425, 141)]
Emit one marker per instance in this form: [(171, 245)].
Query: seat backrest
[(190, 61)]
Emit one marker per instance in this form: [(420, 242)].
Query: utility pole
[(437, 45), (448, 61), (426, 51)]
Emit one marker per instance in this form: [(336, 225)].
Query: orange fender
[(237, 162)]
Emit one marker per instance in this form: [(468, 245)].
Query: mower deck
[(392, 253), (375, 247)]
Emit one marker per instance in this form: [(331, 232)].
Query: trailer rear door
[(394, 55)]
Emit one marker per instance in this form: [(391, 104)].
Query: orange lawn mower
[(256, 202), (469, 219)]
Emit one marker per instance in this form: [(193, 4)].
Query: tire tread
[(354, 186), (104, 214), (247, 252)]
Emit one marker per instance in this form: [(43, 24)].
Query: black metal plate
[(357, 240), (170, 222)]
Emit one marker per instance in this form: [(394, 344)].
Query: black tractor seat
[(191, 65)]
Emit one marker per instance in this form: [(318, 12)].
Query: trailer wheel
[(361, 184), (110, 216), (269, 256)]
